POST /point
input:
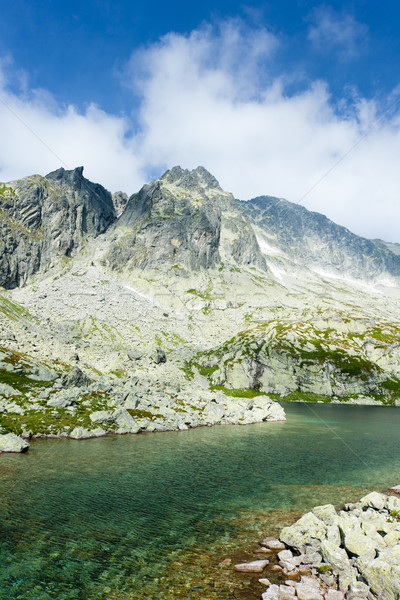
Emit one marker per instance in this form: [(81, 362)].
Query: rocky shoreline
[(78, 407), (350, 554)]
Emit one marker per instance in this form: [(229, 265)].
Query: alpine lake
[(153, 516)]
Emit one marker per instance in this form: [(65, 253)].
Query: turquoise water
[(151, 516)]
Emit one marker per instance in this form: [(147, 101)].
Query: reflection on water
[(152, 516)]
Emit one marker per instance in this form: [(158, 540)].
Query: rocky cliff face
[(183, 220), (317, 242), (42, 218), (321, 356)]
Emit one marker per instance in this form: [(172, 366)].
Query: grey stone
[(102, 417), (159, 356), (75, 378), (8, 390), (335, 556), (334, 595), (305, 591), (272, 593), (286, 592), (383, 579), (346, 578), (325, 513), (300, 534), (81, 433), (357, 590), (255, 566), (273, 543), (124, 421), (64, 398), (10, 442), (359, 544), (374, 500)]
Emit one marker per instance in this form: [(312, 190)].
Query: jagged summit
[(197, 178), (186, 221), (72, 175), (42, 218)]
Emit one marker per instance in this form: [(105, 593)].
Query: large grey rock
[(124, 421), (10, 442), (303, 532), (383, 579), (255, 566), (326, 513), (103, 417), (75, 378), (359, 544), (335, 556), (44, 218), (81, 433), (64, 398), (8, 390), (159, 356), (374, 500), (305, 591)]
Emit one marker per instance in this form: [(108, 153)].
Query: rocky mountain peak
[(198, 179)]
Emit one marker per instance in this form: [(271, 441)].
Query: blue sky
[(296, 99)]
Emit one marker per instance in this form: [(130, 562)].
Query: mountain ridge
[(188, 309)]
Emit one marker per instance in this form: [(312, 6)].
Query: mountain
[(183, 219), (42, 218), (313, 240), (181, 306)]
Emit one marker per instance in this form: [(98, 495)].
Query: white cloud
[(338, 32), (208, 99)]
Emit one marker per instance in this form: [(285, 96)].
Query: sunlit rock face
[(44, 218), (314, 240), (183, 219)]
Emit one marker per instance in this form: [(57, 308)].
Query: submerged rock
[(255, 566)]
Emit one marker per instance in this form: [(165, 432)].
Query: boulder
[(159, 356), (335, 556), (325, 513), (75, 378), (359, 544), (334, 595), (81, 433), (10, 442), (102, 416), (8, 390), (300, 534), (124, 421), (272, 593), (383, 579), (374, 500), (255, 566), (305, 591)]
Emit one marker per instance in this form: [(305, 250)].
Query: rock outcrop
[(331, 357), (183, 220), (44, 218)]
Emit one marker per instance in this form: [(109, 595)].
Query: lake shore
[(350, 554)]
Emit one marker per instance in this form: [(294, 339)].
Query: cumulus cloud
[(210, 98), (38, 136), (341, 33)]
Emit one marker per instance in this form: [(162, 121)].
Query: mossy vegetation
[(14, 311), (44, 419)]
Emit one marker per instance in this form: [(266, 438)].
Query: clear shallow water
[(151, 516)]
